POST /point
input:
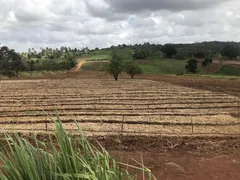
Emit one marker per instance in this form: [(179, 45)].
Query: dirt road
[(79, 64)]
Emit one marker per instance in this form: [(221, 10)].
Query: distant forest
[(213, 49), (64, 58)]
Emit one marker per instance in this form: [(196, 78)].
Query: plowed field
[(103, 106)]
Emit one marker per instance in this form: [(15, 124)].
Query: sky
[(101, 23)]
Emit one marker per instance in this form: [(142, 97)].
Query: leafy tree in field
[(9, 60), (31, 64), (169, 50), (132, 69), (206, 62), (230, 51), (71, 58), (192, 66), (115, 67)]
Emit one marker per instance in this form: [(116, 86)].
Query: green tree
[(230, 51), (9, 59), (191, 66), (71, 59), (132, 69), (31, 64), (115, 67), (206, 62), (169, 50)]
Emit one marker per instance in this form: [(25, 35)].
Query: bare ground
[(228, 86), (175, 158)]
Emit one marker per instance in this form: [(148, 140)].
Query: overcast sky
[(102, 23)]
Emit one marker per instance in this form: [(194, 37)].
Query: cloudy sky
[(102, 23)]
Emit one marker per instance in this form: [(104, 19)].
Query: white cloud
[(101, 23)]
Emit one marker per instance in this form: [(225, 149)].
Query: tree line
[(214, 49), (48, 59), (64, 58)]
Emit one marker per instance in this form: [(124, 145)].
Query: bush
[(229, 70), (206, 62), (132, 69), (54, 65), (9, 73), (66, 160), (115, 67), (191, 66)]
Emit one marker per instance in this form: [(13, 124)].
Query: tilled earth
[(183, 127)]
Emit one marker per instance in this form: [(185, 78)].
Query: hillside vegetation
[(152, 58)]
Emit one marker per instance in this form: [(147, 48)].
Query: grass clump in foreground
[(66, 159)]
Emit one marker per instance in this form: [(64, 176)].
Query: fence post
[(122, 125), (46, 125), (192, 125), (238, 104)]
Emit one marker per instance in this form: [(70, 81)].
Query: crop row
[(25, 103), (130, 128)]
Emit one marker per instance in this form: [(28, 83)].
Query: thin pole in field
[(46, 125), (122, 125), (238, 102), (192, 124)]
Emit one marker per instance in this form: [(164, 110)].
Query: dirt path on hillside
[(79, 64)]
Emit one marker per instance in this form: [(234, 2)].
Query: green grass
[(67, 159), (94, 66), (150, 69), (99, 57), (229, 70), (157, 65), (125, 53), (163, 66)]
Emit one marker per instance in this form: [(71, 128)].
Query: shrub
[(63, 161), (229, 70), (206, 62), (132, 69), (9, 73), (191, 66), (115, 67)]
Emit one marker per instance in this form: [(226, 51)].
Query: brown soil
[(187, 158), (175, 158), (227, 86), (187, 167)]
